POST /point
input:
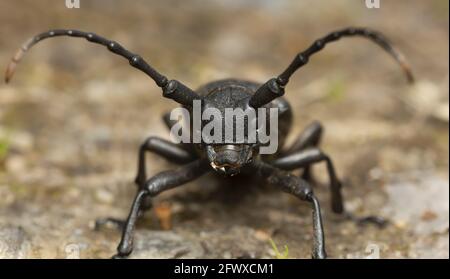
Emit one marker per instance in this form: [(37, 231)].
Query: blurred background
[(73, 117)]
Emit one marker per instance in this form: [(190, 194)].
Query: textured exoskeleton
[(235, 157)]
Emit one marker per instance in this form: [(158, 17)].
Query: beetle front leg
[(309, 137), (168, 150), (301, 189), (306, 158), (126, 243), (189, 147), (161, 182)]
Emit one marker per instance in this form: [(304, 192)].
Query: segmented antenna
[(172, 89), (274, 88)]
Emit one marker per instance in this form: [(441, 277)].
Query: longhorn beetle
[(231, 159)]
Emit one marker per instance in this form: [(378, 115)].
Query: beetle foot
[(319, 255), (376, 220), (380, 222), (119, 257)]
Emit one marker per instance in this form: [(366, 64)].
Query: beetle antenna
[(172, 89), (274, 88)]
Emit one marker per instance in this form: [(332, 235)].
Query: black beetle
[(230, 159)]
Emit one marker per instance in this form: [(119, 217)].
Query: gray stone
[(412, 198), (14, 243), (164, 245)]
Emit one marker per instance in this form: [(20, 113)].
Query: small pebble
[(104, 196)]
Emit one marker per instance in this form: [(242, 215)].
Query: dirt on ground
[(74, 116)]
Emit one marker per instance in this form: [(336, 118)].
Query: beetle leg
[(309, 137), (161, 182), (164, 148), (301, 189), (169, 150), (169, 124), (310, 156), (305, 158)]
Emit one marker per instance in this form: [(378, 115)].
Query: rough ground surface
[(74, 116)]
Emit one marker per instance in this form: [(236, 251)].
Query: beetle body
[(229, 157)]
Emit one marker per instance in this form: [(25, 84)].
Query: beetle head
[(228, 159)]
